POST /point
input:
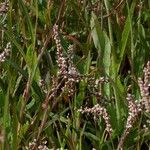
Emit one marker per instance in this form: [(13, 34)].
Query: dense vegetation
[(75, 74)]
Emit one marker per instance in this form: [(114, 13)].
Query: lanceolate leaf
[(32, 62), (27, 19), (125, 34), (102, 44)]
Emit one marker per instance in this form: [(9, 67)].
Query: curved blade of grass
[(125, 34), (32, 61), (35, 86), (2, 85), (13, 40), (6, 115), (27, 17), (98, 37), (107, 63), (15, 124)]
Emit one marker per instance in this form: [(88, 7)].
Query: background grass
[(111, 39)]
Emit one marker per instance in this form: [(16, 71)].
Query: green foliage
[(110, 39)]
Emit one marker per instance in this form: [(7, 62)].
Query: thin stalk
[(15, 127), (6, 115)]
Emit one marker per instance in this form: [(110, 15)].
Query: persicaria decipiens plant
[(60, 58), (68, 75), (138, 107), (69, 72), (67, 69), (145, 88), (67, 79)]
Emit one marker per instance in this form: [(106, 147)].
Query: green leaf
[(27, 17), (97, 34), (125, 34), (103, 45), (23, 130), (32, 62), (13, 40), (91, 136)]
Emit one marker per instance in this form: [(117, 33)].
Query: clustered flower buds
[(70, 55), (95, 87), (67, 77), (34, 145), (100, 81), (146, 126), (42, 85), (134, 111), (3, 7), (134, 108), (72, 77), (144, 88), (97, 111), (61, 59), (5, 53), (67, 69)]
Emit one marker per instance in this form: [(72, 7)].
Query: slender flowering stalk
[(135, 109), (144, 88), (70, 55), (61, 59), (72, 71), (72, 76), (66, 66), (97, 111)]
